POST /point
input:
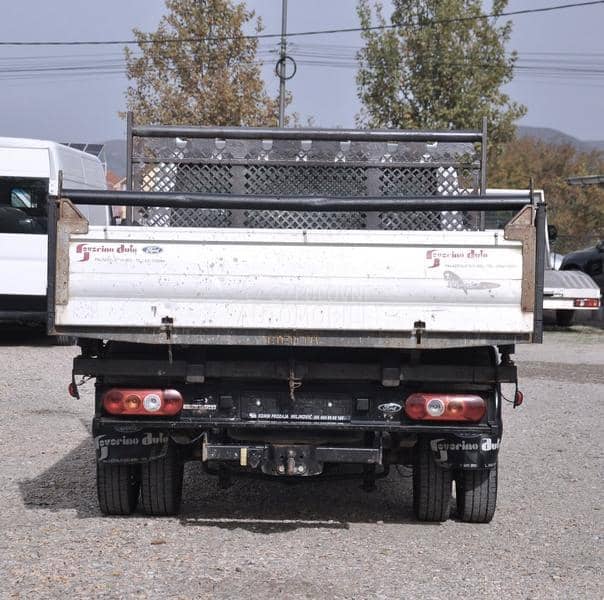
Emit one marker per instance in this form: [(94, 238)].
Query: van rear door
[(23, 241)]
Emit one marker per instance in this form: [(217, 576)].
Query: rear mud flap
[(465, 451), (135, 447)]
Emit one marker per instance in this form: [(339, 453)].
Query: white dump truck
[(291, 303), (29, 172)]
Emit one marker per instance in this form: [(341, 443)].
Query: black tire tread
[(476, 493), (117, 488), (161, 485), (431, 487)]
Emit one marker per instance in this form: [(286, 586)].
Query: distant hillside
[(553, 136), (115, 150)]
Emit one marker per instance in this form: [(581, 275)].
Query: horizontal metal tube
[(302, 203), (349, 455), (232, 452), (199, 425), (355, 135)]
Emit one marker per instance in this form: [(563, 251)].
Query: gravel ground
[(321, 540)]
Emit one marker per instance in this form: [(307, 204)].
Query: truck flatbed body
[(341, 288), (309, 237)]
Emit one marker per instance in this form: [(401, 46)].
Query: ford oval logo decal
[(390, 408), (152, 249)]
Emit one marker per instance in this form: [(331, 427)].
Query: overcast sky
[(562, 53)]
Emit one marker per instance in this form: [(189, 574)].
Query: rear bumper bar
[(102, 425), (469, 448)]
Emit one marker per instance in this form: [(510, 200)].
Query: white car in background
[(29, 173)]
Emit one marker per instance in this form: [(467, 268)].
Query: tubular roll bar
[(352, 135), (302, 203)]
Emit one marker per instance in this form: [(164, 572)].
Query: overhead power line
[(259, 36)]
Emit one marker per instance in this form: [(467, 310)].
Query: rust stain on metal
[(71, 220), (293, 340), (521, 229)]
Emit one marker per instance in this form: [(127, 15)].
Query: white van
[(29, 172)]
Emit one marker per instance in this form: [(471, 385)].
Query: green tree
[(211, 78), (576, 211), (442, 65)]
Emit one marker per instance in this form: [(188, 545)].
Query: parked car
[(589, 260), (564, 293)]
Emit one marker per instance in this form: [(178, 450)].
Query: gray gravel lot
[(319, 540)]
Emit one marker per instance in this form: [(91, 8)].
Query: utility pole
[(282, 64)]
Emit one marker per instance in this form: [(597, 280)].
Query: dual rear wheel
[(475, 490), (158, 484)]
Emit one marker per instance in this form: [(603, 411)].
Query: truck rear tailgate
[(270, 281)]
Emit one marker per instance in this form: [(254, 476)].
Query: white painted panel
[(23, 264), (289, 279), (24, 162)]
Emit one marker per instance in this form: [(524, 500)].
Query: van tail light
[(445, 407), (119, 401), (587, 302)]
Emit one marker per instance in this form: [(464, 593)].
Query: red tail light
[(587, 302), (119, 401), (445, 407)]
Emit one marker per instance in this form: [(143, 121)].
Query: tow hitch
[(290, 460)]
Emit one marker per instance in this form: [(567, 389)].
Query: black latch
[(419, 327)]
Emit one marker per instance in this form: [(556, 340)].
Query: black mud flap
[(131, 447), (465, 451)]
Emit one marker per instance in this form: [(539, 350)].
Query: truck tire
[(476, 493), (431, 487), (117, 488), (161, 484), (564, 318)]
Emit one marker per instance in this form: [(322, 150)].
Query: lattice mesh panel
[(187, 177), (299, 180), (211, 178), (424, 221), (424, 181), (337, 168), (304, 180), (403, 181), (289, 219)]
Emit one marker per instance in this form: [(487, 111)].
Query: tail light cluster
[(445, 407), (587, 302), (118, 401)]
